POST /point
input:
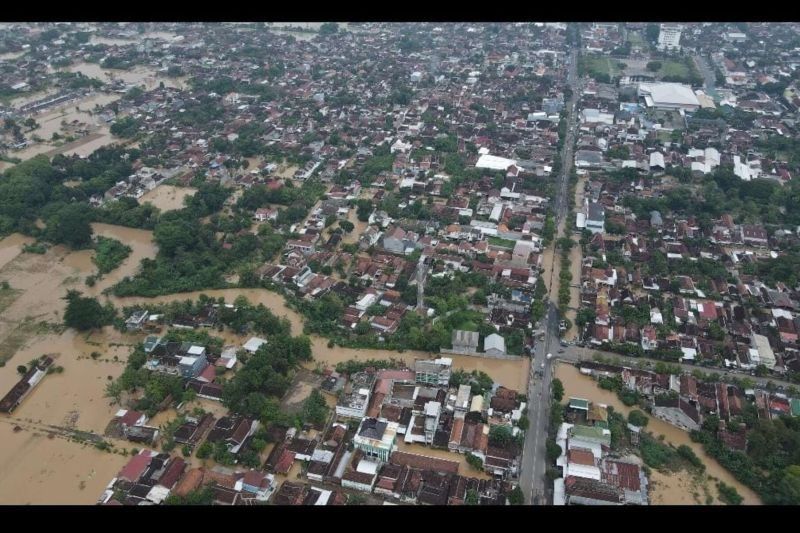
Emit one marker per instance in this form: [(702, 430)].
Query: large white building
[(675, 96), (669, 37)]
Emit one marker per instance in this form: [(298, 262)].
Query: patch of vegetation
[(771, 464), (85, 313), (35, 248), (475, 462), (504, 243), (109, 254), (728, 494), (315, 409), (201, 496)]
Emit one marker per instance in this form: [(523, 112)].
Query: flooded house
[(25, 385), (235, 431)]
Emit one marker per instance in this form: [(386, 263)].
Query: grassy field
[(505, 243), (635, 38), (597, 65), (673, 68)]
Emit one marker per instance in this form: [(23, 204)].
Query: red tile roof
[(136, 466)]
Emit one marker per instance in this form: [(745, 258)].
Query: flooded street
[(665, 491), (167, 197)]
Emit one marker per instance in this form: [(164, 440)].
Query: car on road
[(561, 350)]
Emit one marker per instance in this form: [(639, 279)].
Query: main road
[(534, 463)]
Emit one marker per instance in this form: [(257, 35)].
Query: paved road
[(532, 470), (578, 353), (708, 74)]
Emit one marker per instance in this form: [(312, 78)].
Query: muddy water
[(142, 246), (51, 122), (101, 138), (578, 385), (11, 246), (510, 373), (139, 75), (37, 470), (167, 197)]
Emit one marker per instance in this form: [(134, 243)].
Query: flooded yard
[(667, 489), (167, 197)]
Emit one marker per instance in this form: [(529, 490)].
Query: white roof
[(493, 162), (196, 350), (158, 494), (433, 408), (187, 360), (657, 160), (668, 94), (254, 344), (494, 341), (367, 467)]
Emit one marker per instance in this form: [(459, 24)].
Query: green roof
[(795, 407), (579, 403), (594, 434)]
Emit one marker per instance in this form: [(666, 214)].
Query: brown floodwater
[(142, 246), (510, 373), (581, 386), (39, 471), (167, 197), (76, 398), (11, 246), (139, 75)]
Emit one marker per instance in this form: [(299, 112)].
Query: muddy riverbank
[(668, 489)]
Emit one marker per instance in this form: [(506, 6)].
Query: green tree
[(728, 494), (472, 497), (84, 313), (516, 496), (328, 28), (638, 418), (553, 450), (201, 496), (500, 436), (558, 389), (346, 225), (651, 31), (70, 226), (474, 461), (22, 369), (315, 409), (205, 450)]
